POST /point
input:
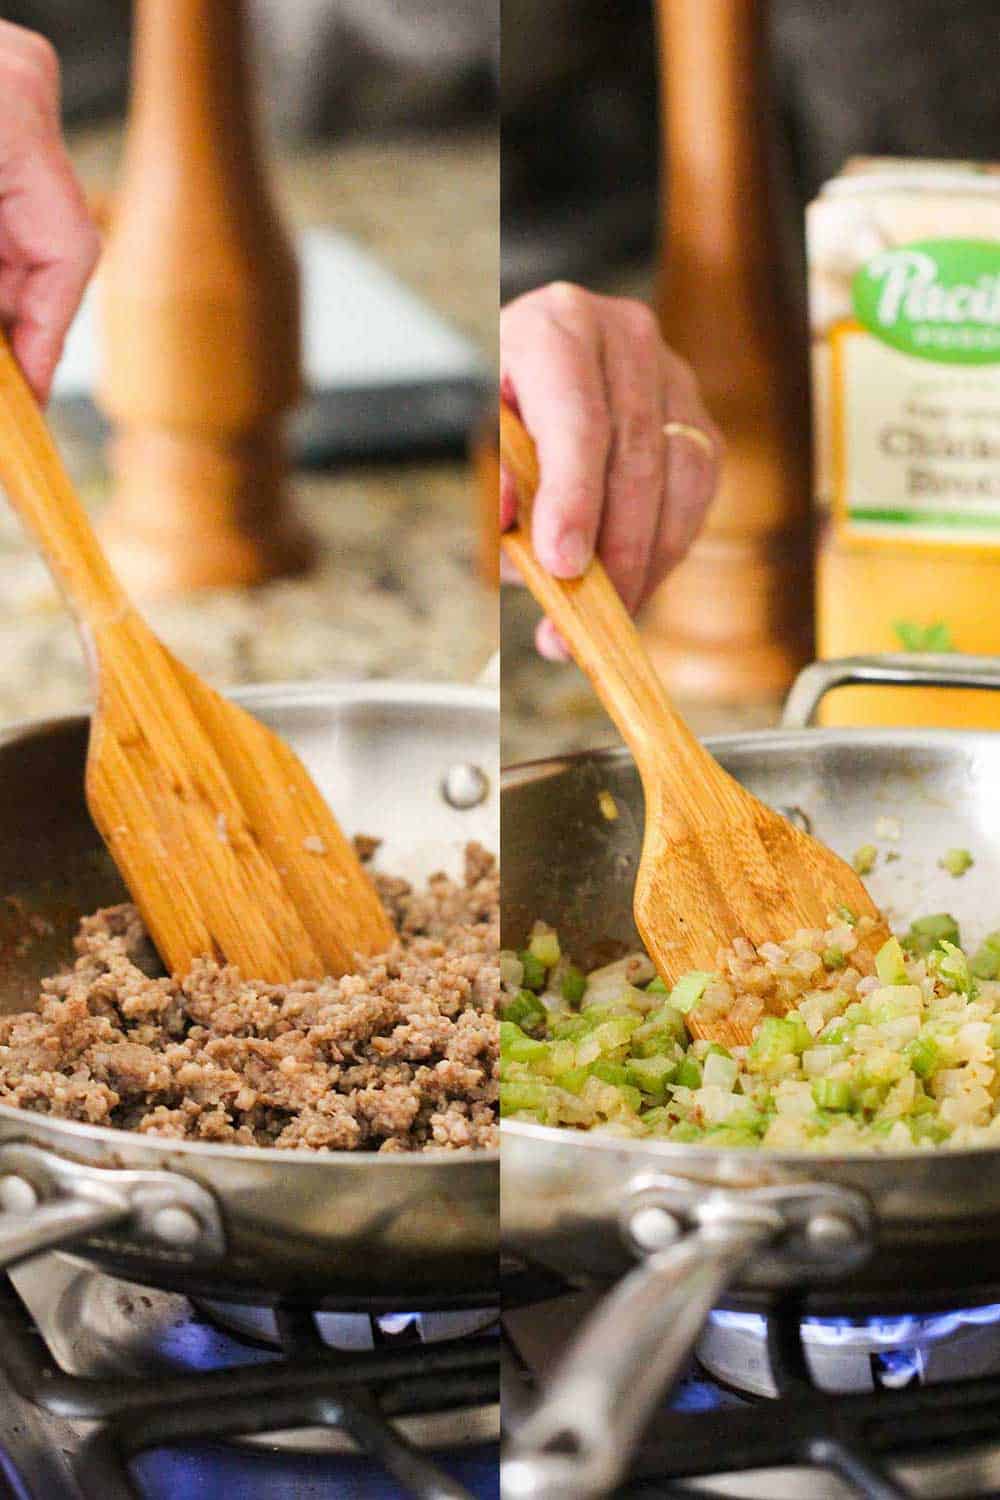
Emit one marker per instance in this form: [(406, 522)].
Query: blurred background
[(579, 112), (380, 149), (771, 97)]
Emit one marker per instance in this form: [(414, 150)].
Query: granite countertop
[(395, 593)]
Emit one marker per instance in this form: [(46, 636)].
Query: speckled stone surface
[(395, 593)]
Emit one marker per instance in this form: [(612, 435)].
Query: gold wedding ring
[(693, 434)]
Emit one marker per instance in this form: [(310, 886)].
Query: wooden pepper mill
[(733, 623), (200, 319)]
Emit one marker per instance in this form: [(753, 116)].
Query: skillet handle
[(575, 1444), (47, 1202), (896, 669), (53, 1225)]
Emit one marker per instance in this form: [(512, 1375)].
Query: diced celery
[(522, 1094), (574, 1080), (596, 1015), (729, 1136), (524, 1049), (864, 859), (890, 963), (571, 1029), (882, 1066), (922, 1104), (612, 1099), (833, 957), (607, 1037), (687, 1132), (651, 1075), (688, 990), (573, 985), (778, 1037), (832, 1093), (534, 970), (750, 1119), (928, 932), (657, 986), (657, 1114), (660, 1032), (609, 1072), (509, 1032), (956, 862), (801, 1035), (545, 947), (525, 1010), (561, 1059), (928, 1128), (923, 1055), (985, 963), (688, 1074), (836, 1032), (953, 966), (845, 914), (669, 1020), (716, 1049)]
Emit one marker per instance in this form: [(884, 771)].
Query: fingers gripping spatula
[(223, 840), (716, 863)]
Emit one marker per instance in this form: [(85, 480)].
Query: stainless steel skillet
[(414, 764), (689, 1224)]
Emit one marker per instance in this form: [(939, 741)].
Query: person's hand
[(48, 244), (596, 386)]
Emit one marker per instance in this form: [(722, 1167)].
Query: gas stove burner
[(857, 1354), (352, 1330), (106, 1385)]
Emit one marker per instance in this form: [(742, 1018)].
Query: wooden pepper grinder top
[(732, 624), (200, 319)]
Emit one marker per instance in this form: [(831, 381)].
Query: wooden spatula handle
[(40, 490), (589, 615)]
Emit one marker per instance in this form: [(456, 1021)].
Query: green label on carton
[(934, 299)]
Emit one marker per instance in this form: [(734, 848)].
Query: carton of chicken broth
[(904, 297)]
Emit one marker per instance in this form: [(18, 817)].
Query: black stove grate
[(307, 1384), (856, 1437)]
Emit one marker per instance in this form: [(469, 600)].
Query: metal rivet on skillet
[(464, 786), (830, 1231), (17, 1194), (653, 1228), (175, 1225)]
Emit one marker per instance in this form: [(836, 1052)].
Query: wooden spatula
[(224, 842), (716, 863)]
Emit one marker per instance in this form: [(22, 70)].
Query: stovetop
[(134, 1394), (907, 1419)]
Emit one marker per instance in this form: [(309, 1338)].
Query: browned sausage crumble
[(399, 1056)]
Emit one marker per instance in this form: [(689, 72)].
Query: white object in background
[(361, 327)]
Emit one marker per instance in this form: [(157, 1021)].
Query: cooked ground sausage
[(398, 1056)]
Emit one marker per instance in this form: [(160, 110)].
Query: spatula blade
[(220, 833)]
